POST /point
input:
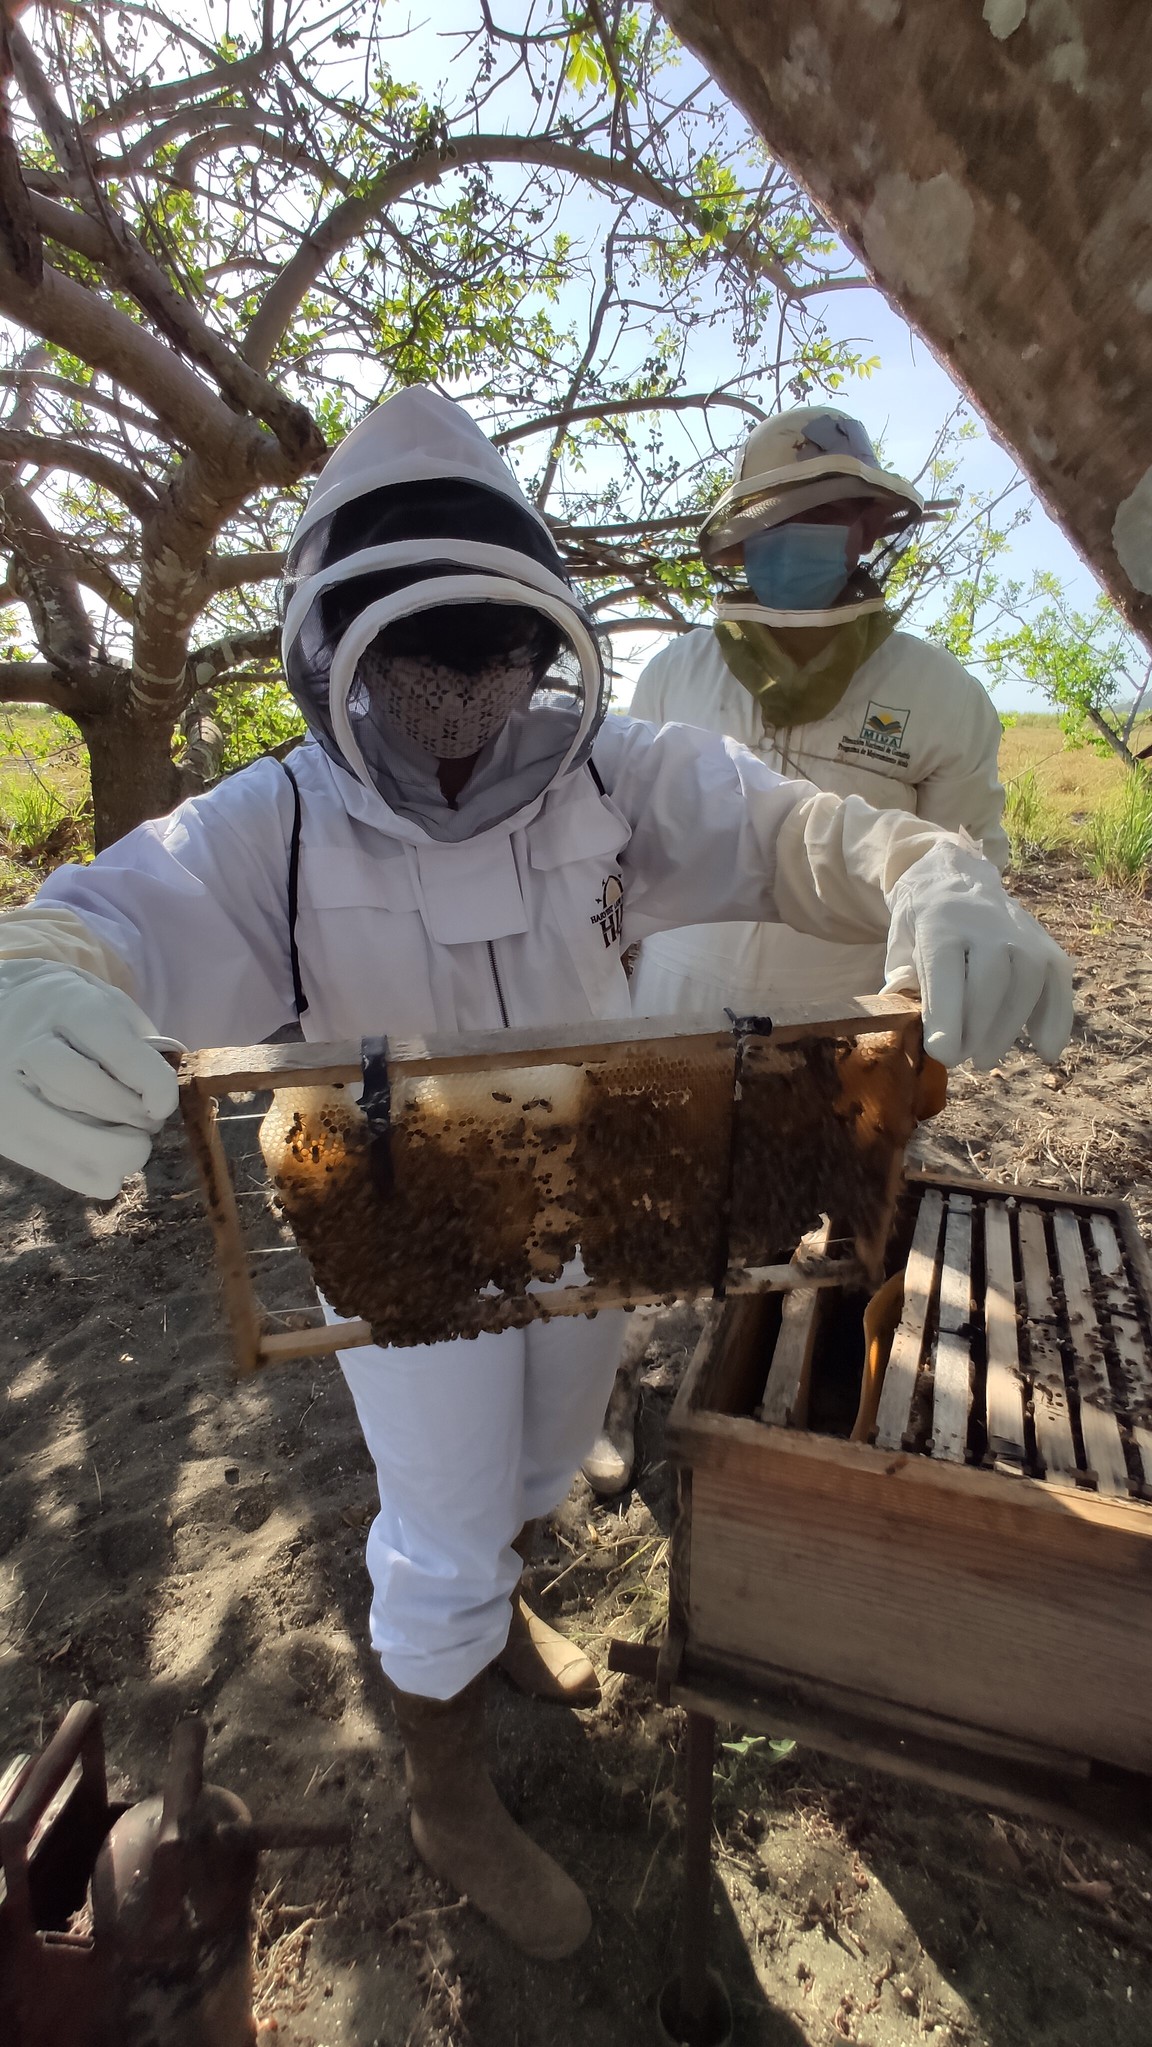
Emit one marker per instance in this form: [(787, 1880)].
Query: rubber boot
[(609, 1463), (470, 1840), (537, 1659)]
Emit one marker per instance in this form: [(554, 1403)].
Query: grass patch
[(1076, 801), (29, 813), (1120, 836), (1032, 822), (45, 798), (1073, 780)]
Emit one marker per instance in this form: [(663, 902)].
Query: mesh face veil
[(450, 700), (430, 619)]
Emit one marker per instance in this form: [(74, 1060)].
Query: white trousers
[(470, 1439)]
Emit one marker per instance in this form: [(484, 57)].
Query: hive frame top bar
[(207, 1077), (249, 1069)]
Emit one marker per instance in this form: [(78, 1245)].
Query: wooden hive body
[(968, 1596)]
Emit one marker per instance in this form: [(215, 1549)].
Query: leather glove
[(82, 1083), (985, 969)]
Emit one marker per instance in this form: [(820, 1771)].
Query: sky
[(903, 402)]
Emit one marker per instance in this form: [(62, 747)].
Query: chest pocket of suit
[(334, 878), (363, 949), (577, 847)]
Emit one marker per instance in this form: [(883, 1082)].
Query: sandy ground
[(170, 1542)]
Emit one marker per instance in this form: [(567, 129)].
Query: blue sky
[(904, 401)]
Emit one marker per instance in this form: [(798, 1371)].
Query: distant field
[(1074, 780)]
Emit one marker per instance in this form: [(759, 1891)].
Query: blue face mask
[(797, 567)]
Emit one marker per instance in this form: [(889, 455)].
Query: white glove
[(82, 1085), (984, 967)]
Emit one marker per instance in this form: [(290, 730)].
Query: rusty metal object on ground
[(54, 1813), (128, 1926)]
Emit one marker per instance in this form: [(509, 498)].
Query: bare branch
[(595, 327), (232, 571), (50, 452), (224, 657), (76, 319), (44, 577), (33, 682), (156, 99), (83, 394), (610, 407), (53, 120), (108, 241)]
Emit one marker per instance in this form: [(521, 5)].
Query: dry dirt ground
[(170, 1542)]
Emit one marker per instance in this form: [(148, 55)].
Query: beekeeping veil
[(792, 464), (428, 617)]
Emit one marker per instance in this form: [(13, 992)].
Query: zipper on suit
[(496, 979)]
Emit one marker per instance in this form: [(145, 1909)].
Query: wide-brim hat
[(812, 455)]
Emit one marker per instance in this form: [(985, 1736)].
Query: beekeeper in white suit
[(804, 664), (469, 844)]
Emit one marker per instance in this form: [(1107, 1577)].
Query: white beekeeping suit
[(909, 728), (804, 668), (471, 846)]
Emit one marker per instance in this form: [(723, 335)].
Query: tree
[(216, 250), (1089, 665), (989, 164)]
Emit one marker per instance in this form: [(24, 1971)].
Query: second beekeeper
[(463, 843)]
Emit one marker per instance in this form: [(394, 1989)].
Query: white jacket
[(401, 930), (914, 732), (399, 934)]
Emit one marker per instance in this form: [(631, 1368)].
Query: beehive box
[(966, 1597)]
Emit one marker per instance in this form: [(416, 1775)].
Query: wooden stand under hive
[(965, 1598)]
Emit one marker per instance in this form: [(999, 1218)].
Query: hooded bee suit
[(506, 900), (907, 728)]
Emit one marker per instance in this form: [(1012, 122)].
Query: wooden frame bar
[(1004, 1394), (1050, 1411), (894, 1415), (209, 1076), (952, 1373), (1124, 1318), (1098, 1424)]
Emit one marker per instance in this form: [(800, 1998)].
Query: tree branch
[(351, 216), (109, 243), (48, 451), (33, 682), (60, 131), (84, 394), (1099, 723), (43, 577), (75, 319), (230, 571), (544, 488), (154, 99), (609, 407), (223, 657)]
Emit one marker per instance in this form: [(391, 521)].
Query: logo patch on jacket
[(881, 736), (884, 726), (610, 915)]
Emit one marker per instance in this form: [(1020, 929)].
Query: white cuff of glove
[(985, 969), (83, 1085)]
